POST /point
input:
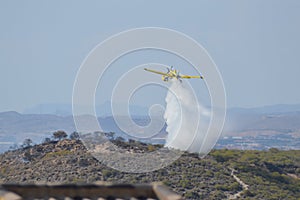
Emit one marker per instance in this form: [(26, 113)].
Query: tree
[(59, 135), (120, 139), (14, 147), (110, 135), (27, 143), (131, 141), (47, 140), (74, 136)]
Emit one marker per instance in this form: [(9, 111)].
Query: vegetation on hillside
[(269, 174)]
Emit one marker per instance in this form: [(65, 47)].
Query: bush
[(59, 135), (74, 136), (27, 143), (151, 147)]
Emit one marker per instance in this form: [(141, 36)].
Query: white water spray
[(182, 115)]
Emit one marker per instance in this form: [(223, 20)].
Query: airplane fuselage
[(172, 73)]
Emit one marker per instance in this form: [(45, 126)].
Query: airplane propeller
[(178, 76)]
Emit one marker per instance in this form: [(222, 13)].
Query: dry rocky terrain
[(68, 161)]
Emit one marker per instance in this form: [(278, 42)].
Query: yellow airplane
[(172, 73)]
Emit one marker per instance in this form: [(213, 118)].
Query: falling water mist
[(182, 115)]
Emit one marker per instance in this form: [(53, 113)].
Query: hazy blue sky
[(254, 43)]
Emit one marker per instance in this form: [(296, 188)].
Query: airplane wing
[(157, 72), (187, 76)]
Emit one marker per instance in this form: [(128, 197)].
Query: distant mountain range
[(271, 109), (104, 109), (15, 127), (277, 118)]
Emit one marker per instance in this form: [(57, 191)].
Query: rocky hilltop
[(223, 174)]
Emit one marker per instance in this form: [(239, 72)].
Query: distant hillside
[(280, 117), (223, 174), (239, 122), (270, 109), (102, 110), (271, 120), (15, 127), (13, 122)]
